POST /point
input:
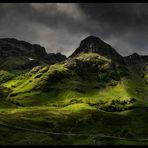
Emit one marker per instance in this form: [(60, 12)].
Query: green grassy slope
[(86, 94), (61, 84)]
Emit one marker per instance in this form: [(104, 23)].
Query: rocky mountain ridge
[(28, 55)]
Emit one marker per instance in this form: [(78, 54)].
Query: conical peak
[(92, 38), (92, 42), (135, 54)]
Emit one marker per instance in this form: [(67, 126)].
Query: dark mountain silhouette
[(93, 44), (136, 59), (28, 55)]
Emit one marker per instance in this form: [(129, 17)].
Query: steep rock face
[(93, 44), (15, 54), (94, 55)]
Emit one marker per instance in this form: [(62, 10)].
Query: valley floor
[(83, 125)]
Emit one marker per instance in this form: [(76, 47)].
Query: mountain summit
[(93, 44)]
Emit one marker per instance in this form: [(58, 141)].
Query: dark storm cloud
[(54, 26), (125, 26), (61, 27)]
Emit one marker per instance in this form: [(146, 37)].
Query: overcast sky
[(60, 27)]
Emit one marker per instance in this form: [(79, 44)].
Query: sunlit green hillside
[(89, 98)]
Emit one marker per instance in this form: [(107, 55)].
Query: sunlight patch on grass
[(78, 107)]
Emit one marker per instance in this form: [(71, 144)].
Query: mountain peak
[(92, 38), (93, 44), (135, 54)]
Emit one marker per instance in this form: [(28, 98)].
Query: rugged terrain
[(95, 96), (15, 54)]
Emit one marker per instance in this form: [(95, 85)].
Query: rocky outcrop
[(93, 44)]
